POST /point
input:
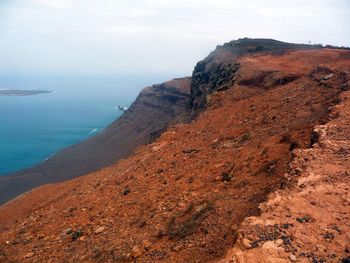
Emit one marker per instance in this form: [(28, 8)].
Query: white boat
[(121, 108)]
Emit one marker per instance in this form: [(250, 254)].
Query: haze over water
[(33, 128)]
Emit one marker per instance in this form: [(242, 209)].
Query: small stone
[(41, 235), (71, 209), (68, 231), (189, 151), (100, 230), (126, 191), (293, 258), (177, 248), (146, 244), (298, 171), (327, 76), (246, 243), (29, 255), (136, 252), (77, 234), (279, 242), (328, 236), (304, 219), (226, 177)]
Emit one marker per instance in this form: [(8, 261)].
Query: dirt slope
[(184, 197), (309, 222), (155, 108)]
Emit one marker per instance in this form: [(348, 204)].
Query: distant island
[(20, 92)]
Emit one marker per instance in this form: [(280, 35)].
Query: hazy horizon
[(105, 37)]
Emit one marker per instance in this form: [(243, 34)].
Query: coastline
[(116, 141)]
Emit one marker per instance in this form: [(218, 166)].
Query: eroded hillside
[(184, 197), (308, 221)]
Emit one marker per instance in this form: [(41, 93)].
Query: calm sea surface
[(32, 128)]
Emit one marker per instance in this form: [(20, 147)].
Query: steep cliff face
[(209, 77), (218, 71), (154, 109)]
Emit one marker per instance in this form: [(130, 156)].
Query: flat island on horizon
[(20, 92)]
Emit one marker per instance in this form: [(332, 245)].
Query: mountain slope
[(183, 197), (308, 222)]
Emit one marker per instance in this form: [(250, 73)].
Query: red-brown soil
[(310, 222), (183, 198)]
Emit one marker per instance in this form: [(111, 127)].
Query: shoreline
[(116, 141)]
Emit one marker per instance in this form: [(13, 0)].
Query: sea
[(33, 128)]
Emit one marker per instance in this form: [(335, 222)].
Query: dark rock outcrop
[(209, 77), (218, 71)]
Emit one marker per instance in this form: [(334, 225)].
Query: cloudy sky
[(152, 36)]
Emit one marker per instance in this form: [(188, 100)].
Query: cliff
[(218, 71), (153, 111), (205, 190)]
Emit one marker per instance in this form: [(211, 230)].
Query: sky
[(152, 36)]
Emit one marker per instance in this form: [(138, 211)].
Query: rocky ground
[(238, 184), (309, 221)]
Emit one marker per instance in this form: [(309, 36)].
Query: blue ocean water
[(32, 128)]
